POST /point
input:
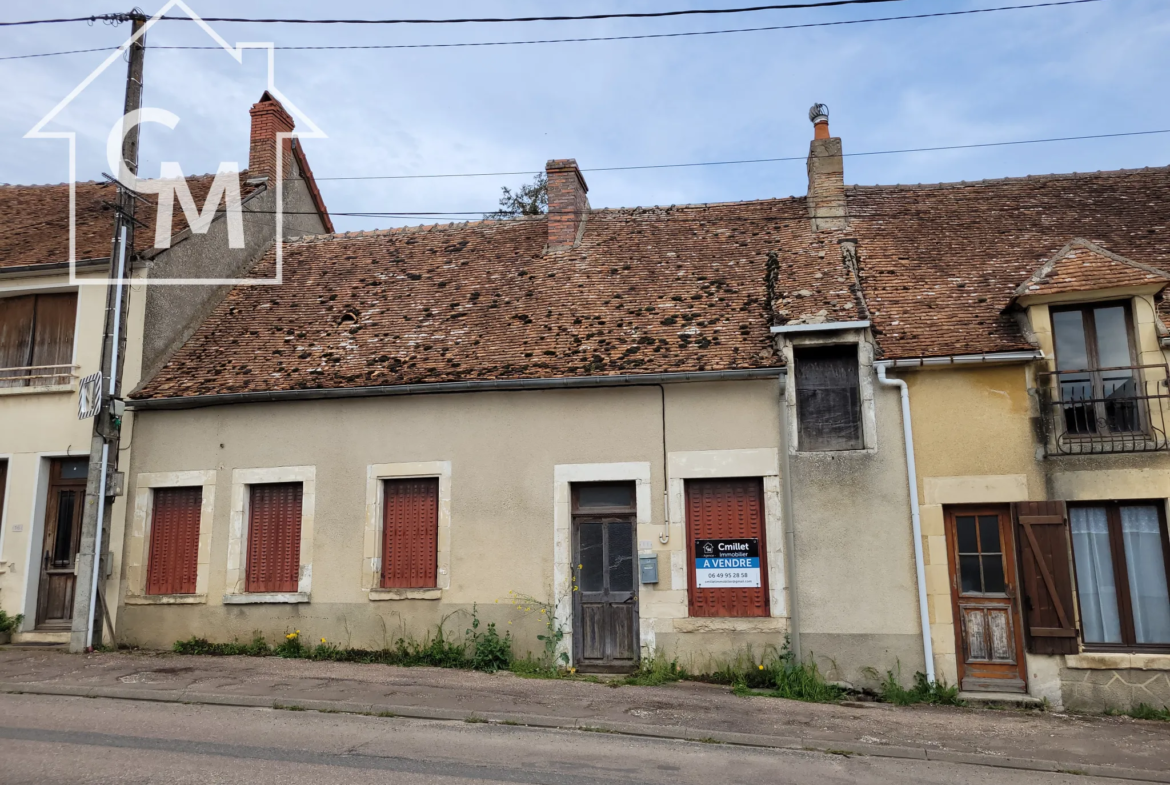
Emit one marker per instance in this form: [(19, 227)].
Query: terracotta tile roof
[(1082, 266), (648, 290), (941, 263), (36, 227)]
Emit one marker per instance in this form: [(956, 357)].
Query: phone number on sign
[(727, 575)]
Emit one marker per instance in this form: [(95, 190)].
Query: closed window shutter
[(174, 541), (726, 510), (1043, 536), (828, 398), (410, 533), (274, 538), (53, 338), (16, 335)]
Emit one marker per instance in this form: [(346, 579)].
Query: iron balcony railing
[(1106, 410), (37, 376)]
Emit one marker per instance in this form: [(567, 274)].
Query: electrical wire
[(757, 160), (641, 37)]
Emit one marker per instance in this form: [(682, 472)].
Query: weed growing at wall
[(490, 652), (776, 673), (10, 623), (551, 663), (933, 692), (1145, 711)]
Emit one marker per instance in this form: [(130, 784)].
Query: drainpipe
[(915, 518)]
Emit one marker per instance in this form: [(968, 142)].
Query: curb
[(680, 733)]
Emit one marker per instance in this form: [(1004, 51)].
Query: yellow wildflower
[(322, 640), (761, 667)]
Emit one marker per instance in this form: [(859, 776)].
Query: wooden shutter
[(274, 538), (174, 541), (726, 509), (828, 398), (410, 533), (53, 336), (16, 334), (1042, 533)]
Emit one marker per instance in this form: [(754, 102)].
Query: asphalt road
[(74, 740)]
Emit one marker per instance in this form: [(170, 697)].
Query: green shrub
[(257, 648), (654, 671), (490, 652), (933, 692), (10, 623), (1145, 711)]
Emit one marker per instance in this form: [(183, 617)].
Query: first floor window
[(828, 398), (274, 537), (36, 339), (1121, 553), (410, 533), (173, 562)]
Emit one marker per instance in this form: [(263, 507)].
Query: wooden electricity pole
[(89, 607)]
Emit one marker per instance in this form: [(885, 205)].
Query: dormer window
[(1097, 371)]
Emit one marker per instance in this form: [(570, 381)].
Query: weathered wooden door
[(605, 596), (66, 499), (985, 599)]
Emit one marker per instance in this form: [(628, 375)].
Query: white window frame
[(237, 561), (138, 543), (376, 475)]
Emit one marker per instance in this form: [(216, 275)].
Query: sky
[(1093, 68)]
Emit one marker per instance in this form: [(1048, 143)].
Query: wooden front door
[(984, 594), (66, 499), (605, 596)]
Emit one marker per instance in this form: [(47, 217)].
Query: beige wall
[(37, 425), (503, 448)]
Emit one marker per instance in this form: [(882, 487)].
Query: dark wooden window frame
[(1121, 573), (801, 413)]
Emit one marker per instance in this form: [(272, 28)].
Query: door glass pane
[(989, 534), (1144, 560), (993, 580), (63, 545), (605, 496), (965, 532), (621, 557), (1096, 588), (1069, 333), (591, 575), (969, 575), (74, 470)]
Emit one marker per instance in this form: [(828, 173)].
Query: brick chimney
[(269, 118), (826, 174), (567, 203)]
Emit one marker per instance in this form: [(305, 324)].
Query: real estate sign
[(727, 564)]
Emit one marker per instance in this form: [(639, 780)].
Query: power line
[(116, 18), (758, 160), (642, 37)]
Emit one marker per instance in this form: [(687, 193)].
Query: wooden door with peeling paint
[(985, 599)]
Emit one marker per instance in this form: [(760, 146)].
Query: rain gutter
[(484, 385)]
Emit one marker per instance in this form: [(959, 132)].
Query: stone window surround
[(372, 549), (710, 464), (237, 560), (563, 477), (138, 543), (860, 338)]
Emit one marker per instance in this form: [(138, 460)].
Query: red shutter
[(174, 541), (274, 538), (726, 509), (1043, 536), (410, 533)]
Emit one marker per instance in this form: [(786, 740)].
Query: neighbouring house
[(51, 327), (687, 431)]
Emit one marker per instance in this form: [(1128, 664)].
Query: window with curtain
[(1121, 551)]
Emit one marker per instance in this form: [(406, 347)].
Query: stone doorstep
[(677, 732), (1004, 698)]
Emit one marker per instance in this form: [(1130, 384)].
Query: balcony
[(37, 378), (1105, 410)]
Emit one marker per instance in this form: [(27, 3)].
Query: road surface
[(81, 740)]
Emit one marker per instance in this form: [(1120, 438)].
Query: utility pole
[(89, 607)]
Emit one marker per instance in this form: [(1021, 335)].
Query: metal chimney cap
[(817, 112)]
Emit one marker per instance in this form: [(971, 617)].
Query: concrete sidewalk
[(1024, 739)]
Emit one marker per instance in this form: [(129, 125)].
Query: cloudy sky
[(1092, 68)]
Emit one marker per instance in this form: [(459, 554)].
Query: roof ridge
[(1017, 178), (360, 233), (102, 182), (695, 205)]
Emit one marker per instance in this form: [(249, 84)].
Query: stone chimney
[(567, 203), (826, 174), (269, 118)]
